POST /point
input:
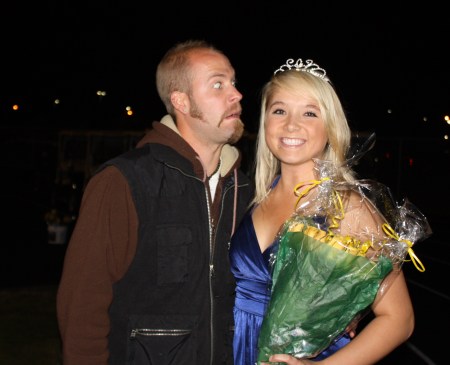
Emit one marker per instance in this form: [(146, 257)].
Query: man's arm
[(100, 250)]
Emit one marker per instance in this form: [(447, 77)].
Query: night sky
[(378, 55)]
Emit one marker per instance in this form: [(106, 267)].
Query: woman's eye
[(217, 85), (234, 83), (311, 114), (278, 111)]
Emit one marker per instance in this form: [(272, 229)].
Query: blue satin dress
[(251, 270)]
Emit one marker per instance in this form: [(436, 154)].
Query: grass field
[(28, 327)]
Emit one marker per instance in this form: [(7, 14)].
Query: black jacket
[(174, 304)]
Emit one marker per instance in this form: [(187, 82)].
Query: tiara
[(307, 66)]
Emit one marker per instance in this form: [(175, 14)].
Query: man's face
[(215, 107)]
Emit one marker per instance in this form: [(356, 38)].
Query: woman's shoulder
[(360, 214)]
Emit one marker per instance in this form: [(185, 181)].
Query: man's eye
[(217, 85), (234, 83)]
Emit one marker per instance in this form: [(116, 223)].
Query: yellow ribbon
[(304, 192), (415, 260), (339, 208), (336, 200)]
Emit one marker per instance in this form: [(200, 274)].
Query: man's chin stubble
[(238, 132)]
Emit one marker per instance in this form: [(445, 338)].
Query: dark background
[(387, 59), (380, 55), (389, 62)]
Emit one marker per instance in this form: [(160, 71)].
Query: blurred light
[(101, 93), (15, 107), (56, 101), (425, 119), (446, 137), (389, 111), (129, 111)]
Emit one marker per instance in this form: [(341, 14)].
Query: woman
[(301, 120)]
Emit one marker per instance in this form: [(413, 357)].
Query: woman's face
[(295, 129)]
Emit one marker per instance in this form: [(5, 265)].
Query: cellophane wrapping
[(332, 262)]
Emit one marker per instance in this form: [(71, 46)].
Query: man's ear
[(179, 101)]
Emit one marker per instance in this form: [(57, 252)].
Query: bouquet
[(334, 259)]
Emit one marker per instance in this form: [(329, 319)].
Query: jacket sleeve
[(99, 252)]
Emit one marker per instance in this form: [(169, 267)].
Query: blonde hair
[(174, 70), (267, 166)]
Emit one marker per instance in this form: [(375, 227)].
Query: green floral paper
[(317, 290)]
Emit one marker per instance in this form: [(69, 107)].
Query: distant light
[(425, 119), (129, 111), (446, 136), (56, 101), (101, 93), (15, 107), (447, 118), (389, 111)]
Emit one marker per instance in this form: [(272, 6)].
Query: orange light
[(15, 107)]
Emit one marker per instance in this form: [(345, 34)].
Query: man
[(146, 277)]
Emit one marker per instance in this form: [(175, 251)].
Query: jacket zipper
[(211, 274), (211, 256), (158, 332)]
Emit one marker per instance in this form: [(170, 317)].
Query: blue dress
[(251, 270)]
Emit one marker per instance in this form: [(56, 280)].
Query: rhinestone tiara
[(307, 66)]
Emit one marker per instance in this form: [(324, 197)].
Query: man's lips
[(236, 114)]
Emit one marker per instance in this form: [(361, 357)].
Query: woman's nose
[(292, 125)]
